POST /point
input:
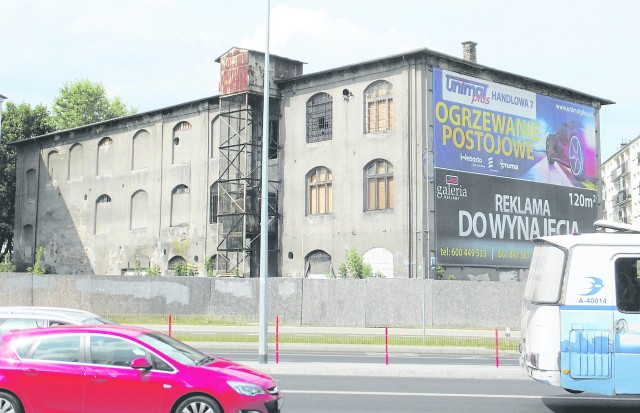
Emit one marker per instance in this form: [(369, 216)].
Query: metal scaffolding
[(239, 185)]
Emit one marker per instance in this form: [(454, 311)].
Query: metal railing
[(240, 333)]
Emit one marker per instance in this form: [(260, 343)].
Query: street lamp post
[(264, 211)]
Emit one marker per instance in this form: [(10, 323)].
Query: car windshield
[(175, 349)]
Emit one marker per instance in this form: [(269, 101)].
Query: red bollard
[(277, 340), (386, 346), (497, 345), (170, 325)]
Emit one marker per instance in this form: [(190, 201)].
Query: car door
[(626, 321), (114, 386), (50, 374)]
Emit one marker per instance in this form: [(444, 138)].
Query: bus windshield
[(545, 274)]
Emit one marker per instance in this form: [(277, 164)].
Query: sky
[(158, 53)]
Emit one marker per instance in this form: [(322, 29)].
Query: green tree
[(19, 122), (82, 103)]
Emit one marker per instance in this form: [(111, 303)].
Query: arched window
[(381, 261), (180, 205), (139, 210), (319, 117), (32, 185), (141, 146), (317, 264), (53, 159), (76, 161), (105, 157), (103, 214), (319, 191), (378, 184), (181, 149), (378, 109)]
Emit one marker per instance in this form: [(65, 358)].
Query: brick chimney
[(469, 51)]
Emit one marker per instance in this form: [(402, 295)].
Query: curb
[(426, 371)]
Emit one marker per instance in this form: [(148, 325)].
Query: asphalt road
[(315, 394)]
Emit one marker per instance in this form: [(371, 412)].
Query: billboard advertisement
[(490, 221), (510, 165), (493, 129)]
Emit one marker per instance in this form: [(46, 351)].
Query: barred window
[(319, 117), (319, 191), (184, 125), (378, 176), (378, 98), (213, 203), (175, 262)]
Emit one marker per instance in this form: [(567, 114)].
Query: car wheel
[(573, 391), (576, 157), (550, 151), (9, 403), (199, 404)]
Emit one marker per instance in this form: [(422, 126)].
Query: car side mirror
[(140, 363)]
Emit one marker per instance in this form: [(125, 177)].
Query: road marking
[(468, 395)]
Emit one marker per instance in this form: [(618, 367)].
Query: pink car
[(121, 369)]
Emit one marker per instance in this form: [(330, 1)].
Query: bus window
[(627, 285), (544, 282)]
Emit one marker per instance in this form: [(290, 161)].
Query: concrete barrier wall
[(296, 301)]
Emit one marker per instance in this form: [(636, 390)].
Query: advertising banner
[(490, 221), (493, 129)]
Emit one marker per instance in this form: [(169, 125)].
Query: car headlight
[(247, 389)]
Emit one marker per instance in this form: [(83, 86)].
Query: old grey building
[(423, 162)]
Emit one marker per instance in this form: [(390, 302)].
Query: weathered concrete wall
[(296, 301)]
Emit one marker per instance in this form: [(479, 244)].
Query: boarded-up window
[(378, 176), (27, 241), (181, 143), (141, 148), (76, 161), (319, 117), (317, 264), (139, 210), (180, 205), (320, 191), (103, 214), (378, 98), (32, 185), (53, 167), (105, 157)]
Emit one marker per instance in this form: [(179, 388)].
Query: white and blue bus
[(581, 311)]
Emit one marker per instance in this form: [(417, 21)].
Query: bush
[(6, 265), (153, 271), (39, 267), (439, 272), (185, 269)]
